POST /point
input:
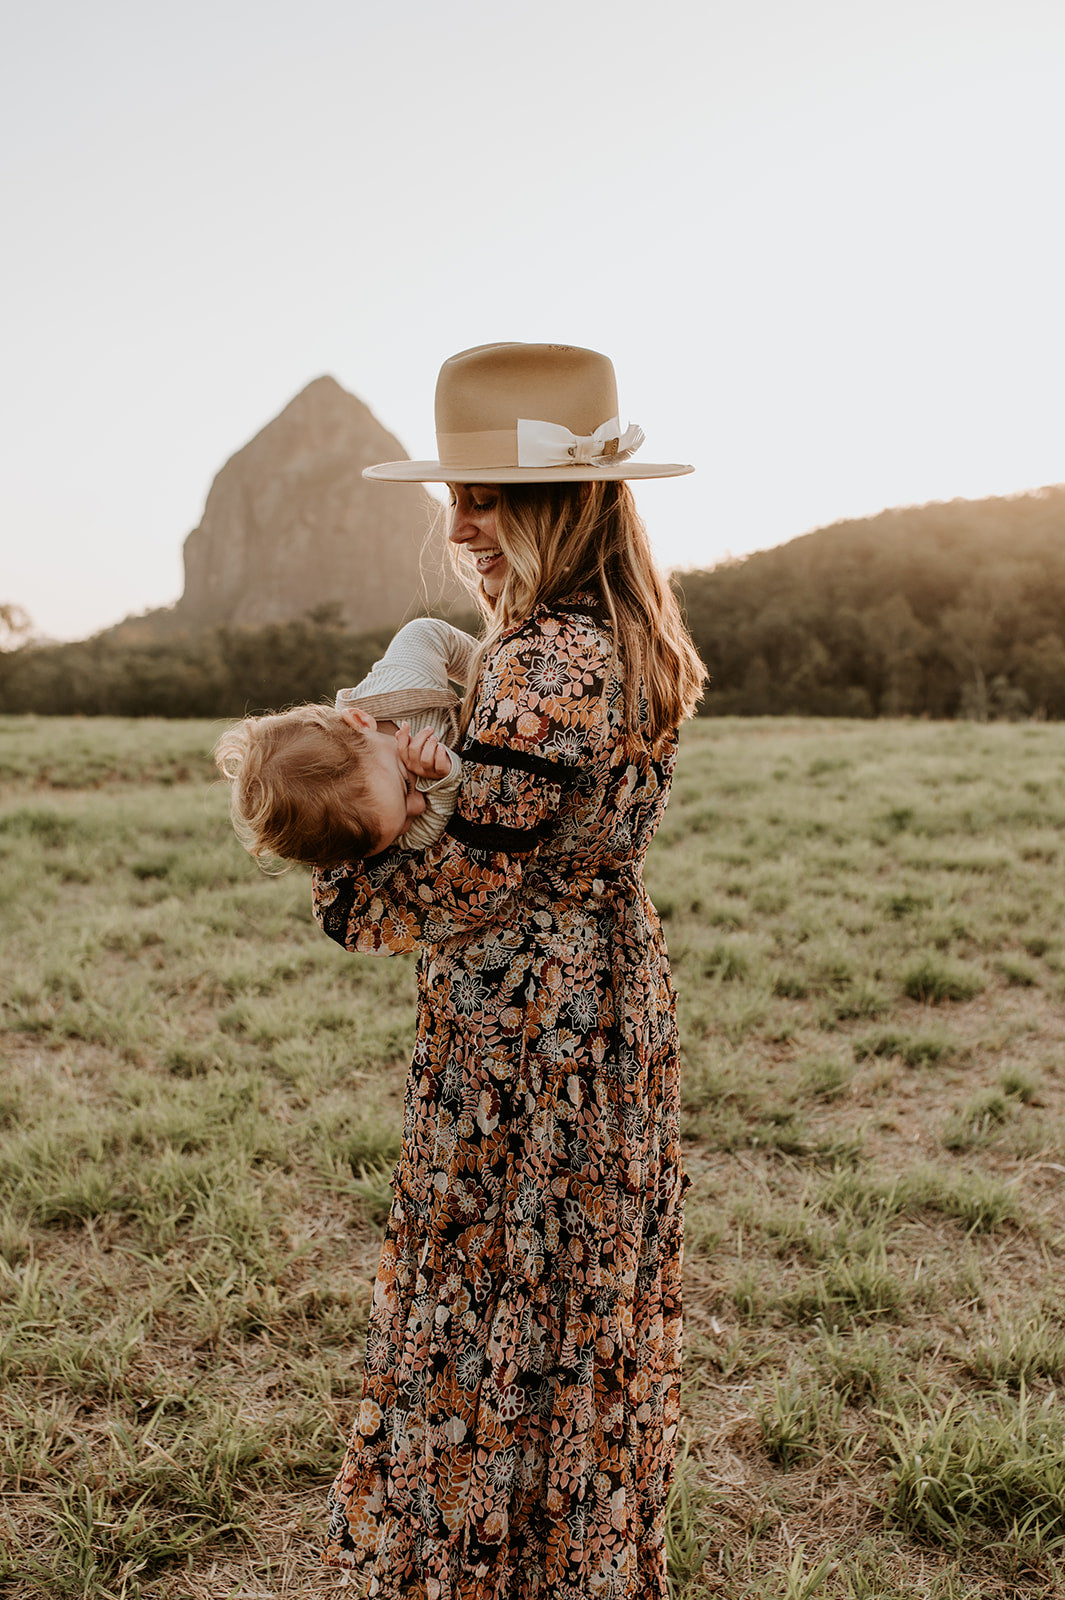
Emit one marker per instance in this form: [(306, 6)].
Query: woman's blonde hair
[(294, 775), (562, 538)]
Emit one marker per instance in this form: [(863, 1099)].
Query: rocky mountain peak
[(291, 524)]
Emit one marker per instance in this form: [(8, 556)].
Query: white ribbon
[(549, 444)]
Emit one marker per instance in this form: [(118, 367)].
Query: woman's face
[(473, 524)]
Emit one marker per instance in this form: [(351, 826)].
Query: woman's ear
[(361, 721)]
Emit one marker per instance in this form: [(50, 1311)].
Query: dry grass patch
[(199, 1110)]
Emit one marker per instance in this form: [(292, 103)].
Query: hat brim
[(433, 472)]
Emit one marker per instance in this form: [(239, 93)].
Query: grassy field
[(199, 1109)]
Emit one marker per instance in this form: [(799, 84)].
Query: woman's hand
[(423, 755)]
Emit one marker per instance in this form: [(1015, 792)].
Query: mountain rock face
[(290, 524)]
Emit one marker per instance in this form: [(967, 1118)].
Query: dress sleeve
[(539, 728)]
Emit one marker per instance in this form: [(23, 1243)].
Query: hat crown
[(528, 413), (493, 385)]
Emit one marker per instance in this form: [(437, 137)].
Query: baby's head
[(317, 785)]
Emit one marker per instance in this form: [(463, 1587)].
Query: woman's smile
[(484, 560), (474, 526)]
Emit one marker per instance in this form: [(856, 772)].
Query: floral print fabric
[(516, 1433)]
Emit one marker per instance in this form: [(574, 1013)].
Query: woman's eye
[(483, 505)]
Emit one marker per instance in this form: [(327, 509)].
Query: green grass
[(199, 1114), (989, 1477), (934, 980)]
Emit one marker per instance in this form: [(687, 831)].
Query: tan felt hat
[(528, 413)]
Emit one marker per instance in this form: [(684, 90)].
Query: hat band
[(539, 444), (497, 448)]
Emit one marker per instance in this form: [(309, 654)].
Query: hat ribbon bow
[(549, 444)]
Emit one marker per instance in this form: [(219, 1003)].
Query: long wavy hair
[(568, 537)]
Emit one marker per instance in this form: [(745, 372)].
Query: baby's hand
[(423, 755)]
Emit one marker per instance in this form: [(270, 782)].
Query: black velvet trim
[(502, 755), (375, 861), (489, 836), (586, 608)]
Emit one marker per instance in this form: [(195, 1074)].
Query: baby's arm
[(438, 776), (460, 648), (424, 654), (442, 652)]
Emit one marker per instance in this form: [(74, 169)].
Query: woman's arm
[(539, 726)]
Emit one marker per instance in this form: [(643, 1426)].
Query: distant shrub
[(975, 1123), (933, 980), (1018, 972), (726, 961), (845, 1292), (1020, 1084), (899, 818), (905, 905), (825, 1078), (791, 985), (49, 827), (916, 1049)]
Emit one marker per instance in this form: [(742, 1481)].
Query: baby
[(326, 784)]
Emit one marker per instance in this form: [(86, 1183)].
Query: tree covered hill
[(954, 609)]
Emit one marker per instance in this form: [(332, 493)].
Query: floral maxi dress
[(516, 1435)]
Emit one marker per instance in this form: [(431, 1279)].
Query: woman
[(517, 1427)]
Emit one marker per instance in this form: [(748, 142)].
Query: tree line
[(223, 672), (944, 610), (947, 610)]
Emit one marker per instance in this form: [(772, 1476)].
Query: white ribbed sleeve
[(425, 654)]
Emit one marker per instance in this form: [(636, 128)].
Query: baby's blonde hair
[(293, 777)]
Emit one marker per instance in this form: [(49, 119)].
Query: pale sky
[(821, 240)]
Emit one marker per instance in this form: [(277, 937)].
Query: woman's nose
[(461, 528)]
